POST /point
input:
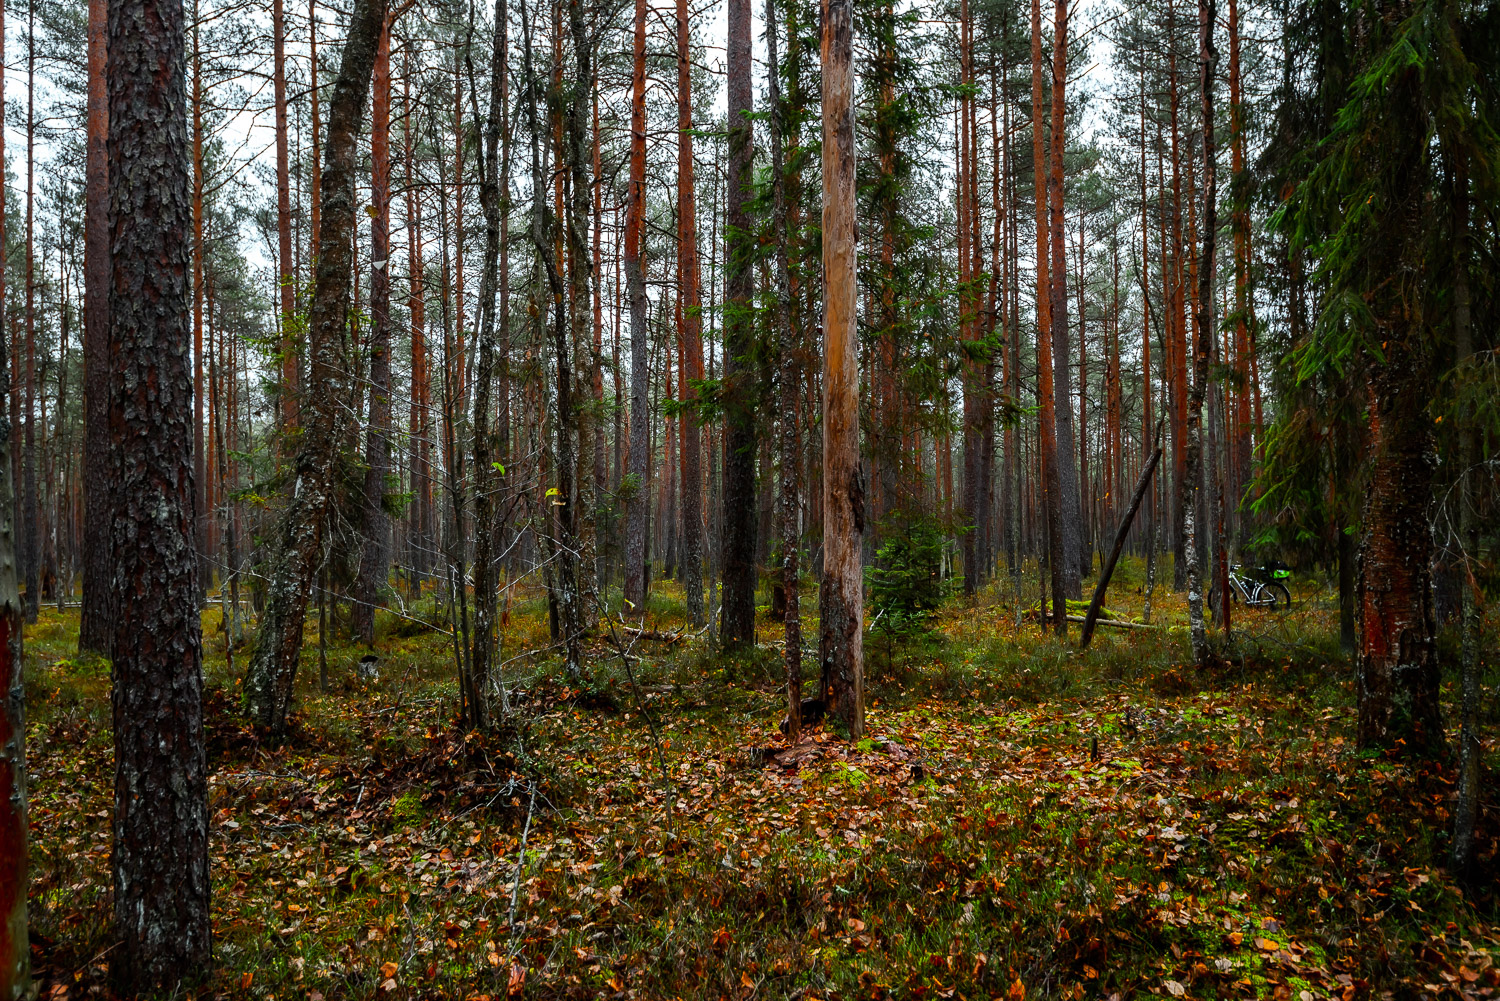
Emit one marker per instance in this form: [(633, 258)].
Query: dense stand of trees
[(467, 299)]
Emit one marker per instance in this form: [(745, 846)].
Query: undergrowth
[(1022, 820)]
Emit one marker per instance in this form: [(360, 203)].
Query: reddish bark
[(842, 592)]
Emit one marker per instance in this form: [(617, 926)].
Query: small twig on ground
[(515, 889)]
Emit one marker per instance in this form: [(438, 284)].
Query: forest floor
[(1022, 820)]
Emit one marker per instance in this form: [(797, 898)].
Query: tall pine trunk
[(1069, 507), (739, 385), (160, 857), (374, 557), (1051, 506), (638, 501), (15, 948), (286, 278), (95, 621), (691, 334)]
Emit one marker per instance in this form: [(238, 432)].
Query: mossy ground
[(1022, 820)]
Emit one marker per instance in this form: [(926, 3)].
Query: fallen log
[(1117, 623)]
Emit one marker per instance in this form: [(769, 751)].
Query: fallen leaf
[(388, 970)]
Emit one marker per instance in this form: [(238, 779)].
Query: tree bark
[(95, 621), (296, 542), (374, 559), (740, 370), (638, 501), (1208, 58), (692, 328), (15, 949), (31, 559), (842, 592), (286, 278), (1069, 506), (1051, 508), (789, 376), (1470, 749), (487, 477), (161, 881)]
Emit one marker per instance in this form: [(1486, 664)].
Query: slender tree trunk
[(789, 377), (374, 558), (487, 477), (15, 947), (285, 269), (1046, 403), (200, 455), (638, 501), (30, 518), (296, 539), (566, 594), (314, 187), (1208, 58), (1470, 750), (973, 513), (1177, 325), (15, 950), (95, 621), (1069, 508), (420, 420), (739, 389), (160, 858), (691, 333), (842, 595)]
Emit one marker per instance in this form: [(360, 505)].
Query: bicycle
[(1269, 593)]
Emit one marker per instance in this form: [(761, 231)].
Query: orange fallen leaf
[(1017, 991), (245, 979), (1266, 945), (388, 970), (745, 980)]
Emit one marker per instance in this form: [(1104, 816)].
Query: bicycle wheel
[(1276, 596), (1212, 598)]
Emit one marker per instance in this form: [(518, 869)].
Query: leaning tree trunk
[(296, 540), (842, 591), (160, 859)]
